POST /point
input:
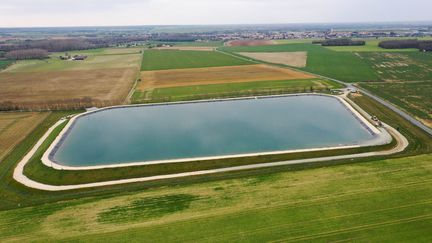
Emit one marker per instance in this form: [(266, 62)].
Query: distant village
[(278, 35), (324, 34)]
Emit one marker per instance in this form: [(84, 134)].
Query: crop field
[(412, 66), (216, 75), (408, 77), (65, 89), (175, 59), (413, 97), (345, 66), (233, 89), (293, 59), (195, 83), (250, 43), (104, 78), (381, 201), (95, 61), (14, 127)]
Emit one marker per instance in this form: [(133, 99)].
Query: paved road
[(19, 176), (398, 111)]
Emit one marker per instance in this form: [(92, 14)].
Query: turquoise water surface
[(164, 132)]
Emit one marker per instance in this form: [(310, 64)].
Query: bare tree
[(27, 54)]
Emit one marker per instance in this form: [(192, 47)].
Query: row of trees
[(399, 44), (342, 42), (65, 104), (403, 44), (425, 46), (27, 54), (49, 45)]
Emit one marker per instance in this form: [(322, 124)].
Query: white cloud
[(139, 12)]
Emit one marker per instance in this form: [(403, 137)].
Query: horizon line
[(425, 22)]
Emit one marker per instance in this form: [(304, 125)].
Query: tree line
[(52, 105), (27, 54), (403, 44), (340, 42), (49, 45)]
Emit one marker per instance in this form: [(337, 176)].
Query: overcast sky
[(29, 13)]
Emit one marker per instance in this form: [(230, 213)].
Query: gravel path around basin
[(19, 176)]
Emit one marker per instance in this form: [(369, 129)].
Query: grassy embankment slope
[(236, 90)]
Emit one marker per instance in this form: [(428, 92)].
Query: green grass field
[(380, 201), (400, 66), (345, 66), (231, 90), (175, 59)]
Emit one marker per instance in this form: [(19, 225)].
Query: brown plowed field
[(14, 127), (294, 59), (216, 75), (250, 43), (65, 89)]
